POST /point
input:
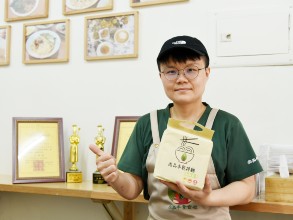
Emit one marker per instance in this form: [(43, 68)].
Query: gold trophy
[(74, 175), (100, 141)]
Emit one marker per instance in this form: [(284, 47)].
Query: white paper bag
[(184, 154)]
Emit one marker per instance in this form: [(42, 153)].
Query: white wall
[(90, 93)]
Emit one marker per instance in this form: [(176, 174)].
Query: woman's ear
[(208, 71)]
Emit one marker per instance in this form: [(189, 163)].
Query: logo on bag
[(185, 152)]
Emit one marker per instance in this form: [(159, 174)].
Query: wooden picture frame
[(5, 42), (16, 10), (38, 154), (123, 128), (111, 36), (139, 3), (46, 42), (74, 7)]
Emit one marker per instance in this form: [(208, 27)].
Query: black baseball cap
[(184, 42)]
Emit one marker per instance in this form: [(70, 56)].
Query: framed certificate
[(38, 150), (123, 128)]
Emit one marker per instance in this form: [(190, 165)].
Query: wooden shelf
[(260, 205), (85, 189), (105, 193)]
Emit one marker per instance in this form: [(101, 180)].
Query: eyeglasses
[(190, 72)]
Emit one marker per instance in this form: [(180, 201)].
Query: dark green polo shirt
[(233, 156)]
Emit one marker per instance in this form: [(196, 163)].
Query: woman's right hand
[(120, 181), (106, 164)]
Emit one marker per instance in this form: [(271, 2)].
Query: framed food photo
[(111, 36), (5, 32), (26, 9), (84, 6), (123, 128), (138, 3), (46, 42), (38, 150)]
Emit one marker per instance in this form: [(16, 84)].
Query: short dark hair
[(180, 55)]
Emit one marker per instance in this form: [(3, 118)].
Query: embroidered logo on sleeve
[(253, 160)]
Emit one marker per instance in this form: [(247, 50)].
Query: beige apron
[(170, 204)]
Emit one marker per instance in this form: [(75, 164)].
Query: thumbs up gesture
[(106, 164)]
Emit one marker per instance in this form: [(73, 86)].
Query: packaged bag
[(184, 154)]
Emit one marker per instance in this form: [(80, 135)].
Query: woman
[(183, 63)]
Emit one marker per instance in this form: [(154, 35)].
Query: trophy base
[(74, 177), (98, 178)]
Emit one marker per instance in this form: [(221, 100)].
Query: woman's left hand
[(200, 197), (225, 196)]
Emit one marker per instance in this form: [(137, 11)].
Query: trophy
[(74, 175), (100, 141)]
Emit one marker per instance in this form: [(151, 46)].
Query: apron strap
[(211, 168), (154, 126), (211, 118)]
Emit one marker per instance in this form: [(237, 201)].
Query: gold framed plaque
[(123, 128), (38, 151)]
